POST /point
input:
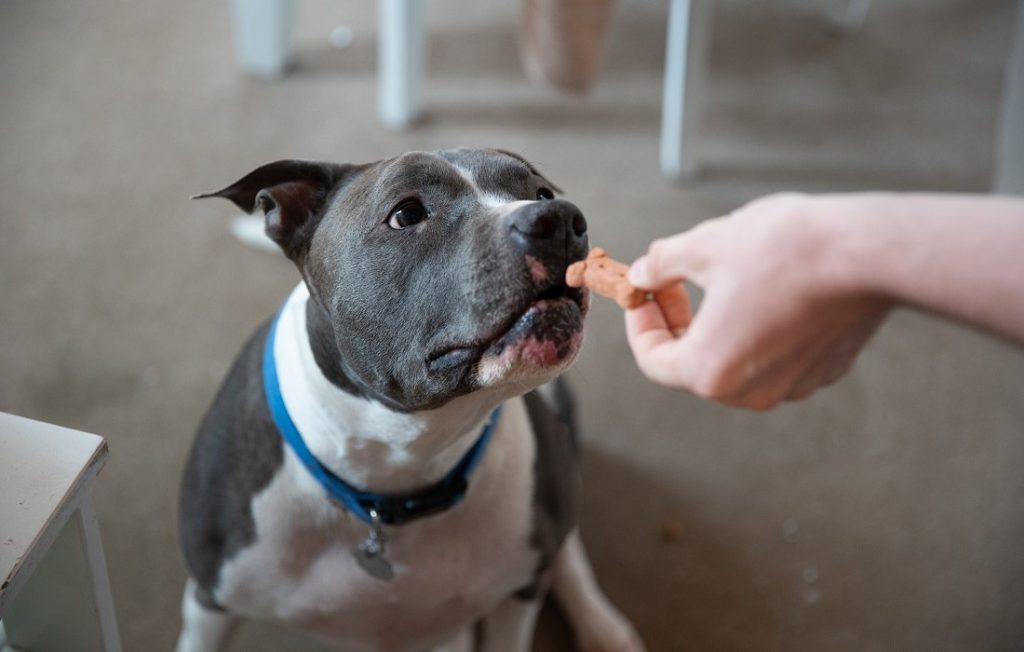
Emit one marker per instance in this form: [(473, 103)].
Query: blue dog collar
[(391, 509)]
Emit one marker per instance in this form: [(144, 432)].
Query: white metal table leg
[(67, 603), (98, 579), (689, 26), (401, 61), (262, 30), (1010, 137)]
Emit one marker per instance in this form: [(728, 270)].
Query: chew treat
[(605, 276)]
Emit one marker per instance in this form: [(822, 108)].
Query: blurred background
[(883, 514)]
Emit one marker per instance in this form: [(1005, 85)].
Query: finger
[(793, 380), (785, 361), (769, 390), (842, 364), (773, 382), (674, 302), (827, 371), (661, 356), (829, 365), (647, 317), (762, 401), (837, 370), (672, 259), (835, 362), (811, 381), (846, 352), (795, 365)]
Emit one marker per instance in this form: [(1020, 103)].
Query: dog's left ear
[(292, 195)]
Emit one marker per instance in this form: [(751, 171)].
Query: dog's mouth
[(558, 292), (547, 327)]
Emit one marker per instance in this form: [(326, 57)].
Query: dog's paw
[(608, 632)]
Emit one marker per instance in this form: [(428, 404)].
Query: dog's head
[(435, 274)]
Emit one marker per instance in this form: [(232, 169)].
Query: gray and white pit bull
[(354, 477)]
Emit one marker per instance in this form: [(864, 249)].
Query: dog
[(391, 461)]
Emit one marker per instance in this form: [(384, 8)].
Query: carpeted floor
[(884, 514)]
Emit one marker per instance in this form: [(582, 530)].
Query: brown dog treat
[(605, 276)]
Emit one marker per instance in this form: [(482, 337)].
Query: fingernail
[(638, 271)]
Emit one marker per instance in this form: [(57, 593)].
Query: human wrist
[(857, 237)]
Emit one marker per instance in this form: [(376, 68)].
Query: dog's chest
[(449, 569)]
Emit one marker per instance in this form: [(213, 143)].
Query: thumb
[(670, 260)]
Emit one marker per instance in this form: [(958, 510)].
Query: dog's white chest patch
[(450, 569)]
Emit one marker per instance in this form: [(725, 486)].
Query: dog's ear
[(292, 196)]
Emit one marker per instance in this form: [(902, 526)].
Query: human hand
[(780, 317)]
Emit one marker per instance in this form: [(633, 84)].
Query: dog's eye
[(545, 193), (407, 213)]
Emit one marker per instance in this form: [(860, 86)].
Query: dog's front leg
[(464, 642), (202, 629), (509, 628), (596, 623)]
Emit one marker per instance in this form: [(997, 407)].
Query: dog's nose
[(555, 224)]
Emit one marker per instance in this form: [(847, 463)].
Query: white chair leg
[(689, 27), (401, 61), (848, 15), (250, 230), (1009, 177), (262, 30)]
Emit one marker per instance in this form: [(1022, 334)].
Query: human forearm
[(958, 255)]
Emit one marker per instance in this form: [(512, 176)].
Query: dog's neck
[(370, 446)]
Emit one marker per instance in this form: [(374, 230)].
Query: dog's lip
[(452, 357)]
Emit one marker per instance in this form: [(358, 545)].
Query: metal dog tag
[(371, 555)]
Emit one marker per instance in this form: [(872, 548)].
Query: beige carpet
[(884, 514)]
